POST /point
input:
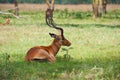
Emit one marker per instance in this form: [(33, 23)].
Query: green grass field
[(93, 55)]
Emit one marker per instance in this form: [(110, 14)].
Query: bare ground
[(80, 7)]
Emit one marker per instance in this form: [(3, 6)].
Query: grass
[(93, 55)]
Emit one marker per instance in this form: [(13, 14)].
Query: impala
[(48, 53)]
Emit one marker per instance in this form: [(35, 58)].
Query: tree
[(16, 8), (95, 6), (99, 7), (104, 4)]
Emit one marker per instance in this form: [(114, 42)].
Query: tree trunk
[(104, 4), (99, 8), (16, 8), (95, 6)]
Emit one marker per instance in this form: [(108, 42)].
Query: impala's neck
[(55, 46)]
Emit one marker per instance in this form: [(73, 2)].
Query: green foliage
[(93, 55), (72, 14), (67, 56)]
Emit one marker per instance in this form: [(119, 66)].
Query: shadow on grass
[(89, 25), (83, 25), (62, 68)]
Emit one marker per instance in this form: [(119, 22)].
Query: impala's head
[(60, 39)]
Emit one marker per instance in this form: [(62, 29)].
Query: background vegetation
[(60, 1), (93, 55)]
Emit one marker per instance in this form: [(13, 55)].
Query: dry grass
[(80, 7)]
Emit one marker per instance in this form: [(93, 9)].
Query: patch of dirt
[(37, 7)]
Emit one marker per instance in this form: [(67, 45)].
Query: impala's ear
[(54, 36)]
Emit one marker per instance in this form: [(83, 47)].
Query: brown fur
[(46, 52)]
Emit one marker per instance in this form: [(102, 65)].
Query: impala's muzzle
[(65, 42)]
